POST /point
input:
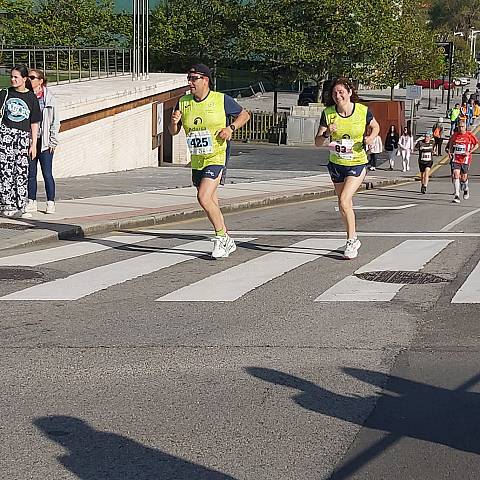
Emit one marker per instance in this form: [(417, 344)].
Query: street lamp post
[(473, 41), (140, 69)]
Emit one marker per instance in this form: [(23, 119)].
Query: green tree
[(62, 23), (410, 51), (182, 32)]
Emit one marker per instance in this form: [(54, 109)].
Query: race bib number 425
[(200, 142)]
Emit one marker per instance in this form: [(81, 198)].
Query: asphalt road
[(280, 375)]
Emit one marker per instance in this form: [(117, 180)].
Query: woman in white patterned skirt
[(20, 118)]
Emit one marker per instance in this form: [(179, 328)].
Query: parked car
[(435, 84), (308, 95)]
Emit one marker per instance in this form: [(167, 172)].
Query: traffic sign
[(414, 92)]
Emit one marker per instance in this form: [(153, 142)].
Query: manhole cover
[(15, 226), (19, 274), (399, 276)]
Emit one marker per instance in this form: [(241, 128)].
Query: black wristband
[(233, 127)]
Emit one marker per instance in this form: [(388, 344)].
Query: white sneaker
[(351, 248), (26, 215), (456, 199), (50, 207), (31, 206), (10, 213), (466, 194), (223, 246)]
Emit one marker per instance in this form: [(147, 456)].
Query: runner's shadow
[(99, 455), (404, 408)]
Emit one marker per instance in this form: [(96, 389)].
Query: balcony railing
[(67, 64)]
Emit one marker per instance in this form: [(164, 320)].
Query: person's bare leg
[(345, 192), (208, 200)]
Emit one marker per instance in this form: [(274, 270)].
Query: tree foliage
[(181, 33), (78, 23)]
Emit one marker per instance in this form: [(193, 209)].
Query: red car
[(436, 84)]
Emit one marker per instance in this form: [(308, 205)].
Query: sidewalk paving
[(97, 214)]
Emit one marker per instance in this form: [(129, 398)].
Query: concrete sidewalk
[(100, 214)]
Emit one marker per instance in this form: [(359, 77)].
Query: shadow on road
[(405, 409), (98, 455)]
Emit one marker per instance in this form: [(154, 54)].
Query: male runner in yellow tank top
[(205, 116)]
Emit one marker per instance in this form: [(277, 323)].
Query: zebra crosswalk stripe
[(233, 283), (469, 292), (90, 281), (411, 255), (72, 250)]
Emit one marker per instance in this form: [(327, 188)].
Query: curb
[(84, 230)]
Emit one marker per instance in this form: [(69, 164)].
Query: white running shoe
[(456, 199), (466, 194), (26, 215), (10, 213), (50, 207), (351, 248), (31, 206), (223, 246)]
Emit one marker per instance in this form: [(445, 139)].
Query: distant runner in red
[(460, 148)]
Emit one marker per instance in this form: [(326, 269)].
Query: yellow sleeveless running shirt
[(346, 143), (202, 121)]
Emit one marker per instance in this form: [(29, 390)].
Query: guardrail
[(67, 64), (264, 127), (250, 90)]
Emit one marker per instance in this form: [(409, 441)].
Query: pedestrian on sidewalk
[(425, 147), (47, 141), (437, 130), (470, 111), (391, 145), (460, 148), (344, 121), (205, 116), (454, 114), (373, 150), (405, 145), (476, 110), (20, 117)]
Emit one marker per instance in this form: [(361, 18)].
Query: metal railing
[(264, 127), (68, 64)]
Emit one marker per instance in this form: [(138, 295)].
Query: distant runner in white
[(345, 121)]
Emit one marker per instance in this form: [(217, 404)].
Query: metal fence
[(67, 64), (264, 127)]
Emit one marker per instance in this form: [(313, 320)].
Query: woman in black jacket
[(391, 145)]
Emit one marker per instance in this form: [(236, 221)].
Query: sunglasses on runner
[(193, 78)]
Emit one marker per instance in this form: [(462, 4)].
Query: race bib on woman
[(343, 148), (200, 142)]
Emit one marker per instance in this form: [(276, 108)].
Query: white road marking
[(411, 255), (303, 233), (231, 284), (469, 292), (398, 207), (450, 225), (72, 250), (90, 281)]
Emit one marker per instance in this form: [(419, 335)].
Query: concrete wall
[(107, 124)]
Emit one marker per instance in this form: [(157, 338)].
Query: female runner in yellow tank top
[(346, 123)]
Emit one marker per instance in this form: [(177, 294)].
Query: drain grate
[(401, 276), (15, 273), (15, 226)]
